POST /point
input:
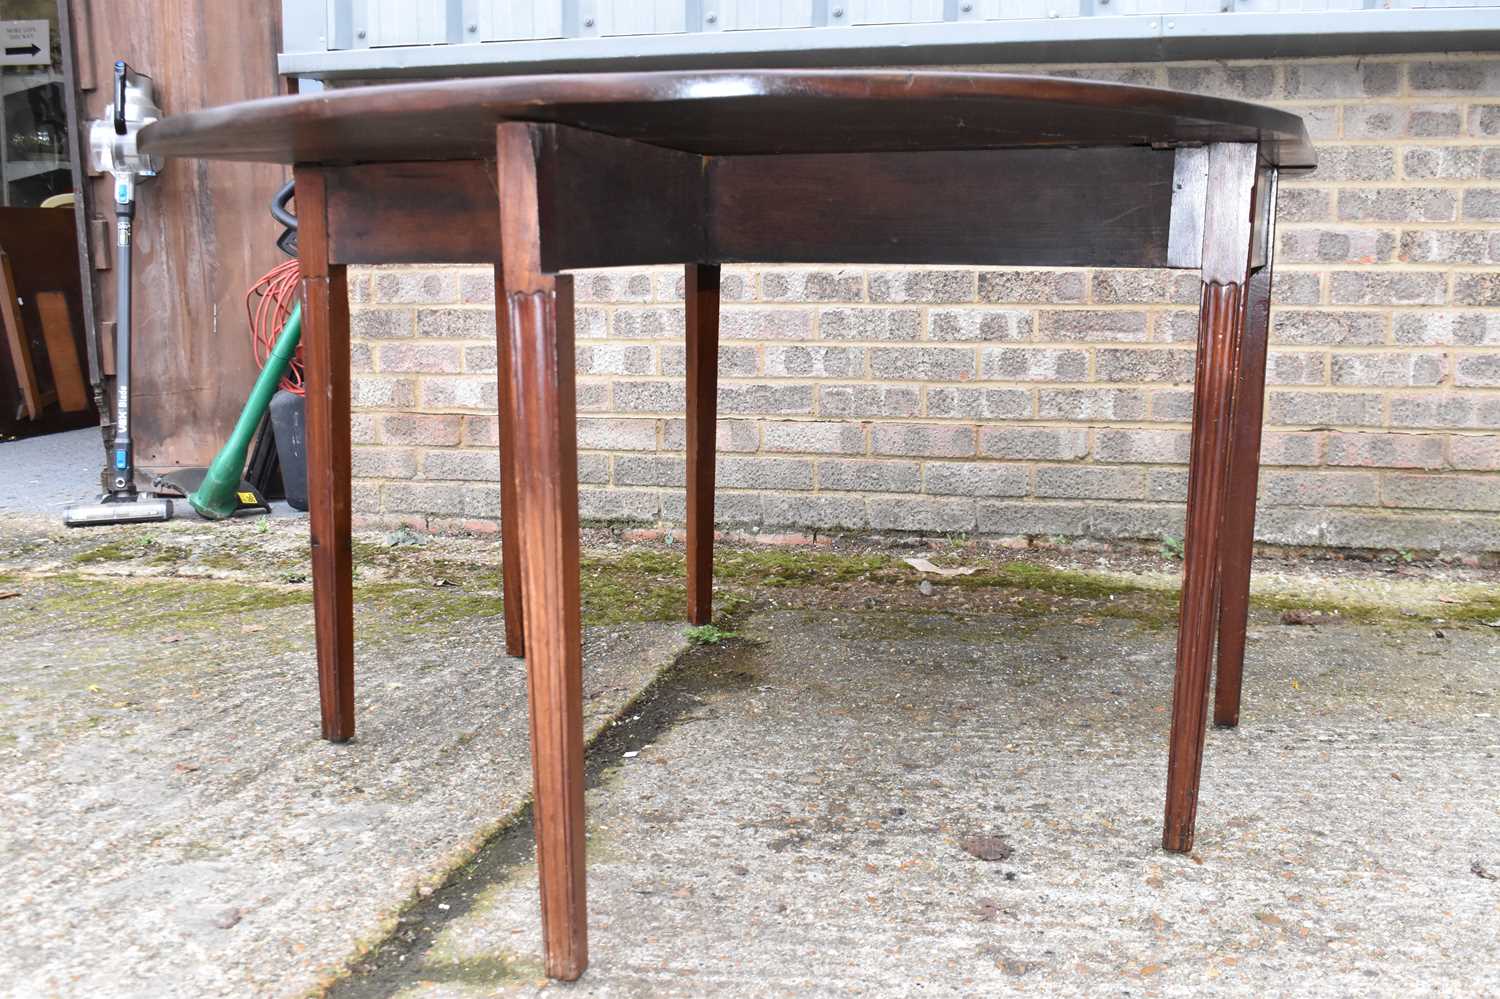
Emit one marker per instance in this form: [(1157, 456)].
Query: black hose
[(279, 203)]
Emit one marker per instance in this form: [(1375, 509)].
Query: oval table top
[(731, 112)]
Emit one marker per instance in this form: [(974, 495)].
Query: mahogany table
[(605, 170)]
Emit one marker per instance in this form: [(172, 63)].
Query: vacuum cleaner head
[(141, 511)]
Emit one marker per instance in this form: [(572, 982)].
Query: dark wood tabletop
[(728, 113)]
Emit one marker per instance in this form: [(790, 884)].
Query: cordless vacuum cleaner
[(112, 146)]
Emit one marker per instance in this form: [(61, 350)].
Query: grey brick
[(736, 284), (820, 512), (1175, 325), (763, 473), (384, 463), (590, 322), (612, 285), (652, 396), (1447, 246), (1093, 324), (1327, 80), (1482, 288), (482, 501), (814, 437), (1441, 163), (1356, 409), (993, 325), (870, 324), (735, 360), (1169, 484), (653, 323), (403, 286), (869, 476), (1388, 287), (945, 478), (1374, 121), (1484, 120), (800, 285), (593, 396), (1482, 204), (814, 361), (922, 286), (1091, 404), (1304, 204), (1033, 364), (380, 324), (1117, 287), (1296, 447), (979, 403), (593, 469), (1442, 492), (467, 465), (1033, 443), (615, 359), (1320, 488), (729, 435), (371, 392), (744, 509), (1121, 364), (1295, 367), (1296, 288), (457, 323), (1361, 162), (1388, 369), (1477, 370), (1397, 204), (1478, 452), (619, 505), (1090, 482), (649, 470), (422, 498), (1336, 246), (945, 515), (1241, 82), (480, 360), (476, 286), (1435, 120), (1464, 76), (863, 401), (778, 400), (1032, 519), (1308, 326), (1383, 450), (1172, 406), (751, 323), (420, 429), (944, 364), (612, 434), (1152, 447), (1442, 410), (1031, 286), (922, 440)]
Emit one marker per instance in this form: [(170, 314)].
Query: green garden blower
[(221, 493)]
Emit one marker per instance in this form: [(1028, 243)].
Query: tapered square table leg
[(701, 290), (1226, 258), (325, 348)]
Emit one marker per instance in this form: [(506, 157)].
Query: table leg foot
[(701, 290)]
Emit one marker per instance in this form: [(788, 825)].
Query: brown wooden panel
[(1099, 207), (203, 230), (17, 342), (608, 202), (417, 213), (62, 351)]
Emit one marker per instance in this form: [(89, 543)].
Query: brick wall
[(1026, 402)]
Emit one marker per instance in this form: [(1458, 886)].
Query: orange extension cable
[(269, 303)]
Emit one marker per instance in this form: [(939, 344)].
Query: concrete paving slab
[(173, 825), (801, 830)]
